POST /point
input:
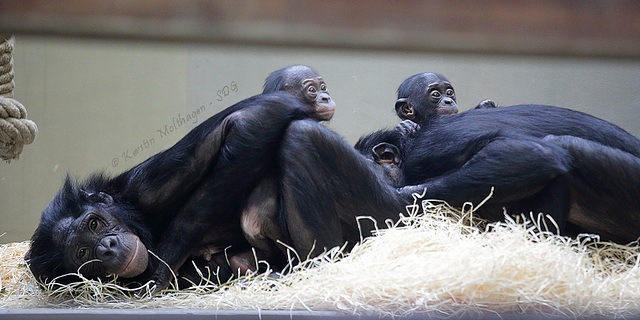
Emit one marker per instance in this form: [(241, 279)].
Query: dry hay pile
[(438, 263)]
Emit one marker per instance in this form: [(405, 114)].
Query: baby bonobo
[(260, 221), (425, 96)]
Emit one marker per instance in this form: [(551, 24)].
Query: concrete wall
[(108, 105)]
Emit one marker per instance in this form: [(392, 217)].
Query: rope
[(15, 129)]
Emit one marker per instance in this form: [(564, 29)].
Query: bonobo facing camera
[(425, 96)]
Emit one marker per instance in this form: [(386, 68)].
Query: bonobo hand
[(407, 128), (486, 104), (160, 280)]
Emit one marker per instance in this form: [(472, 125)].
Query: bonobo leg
[(554, 199), (516, 168), (262, 226), (605, 188), (326, 185)]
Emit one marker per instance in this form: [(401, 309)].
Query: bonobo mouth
[(447, 110), (325, 112), (137, 263)]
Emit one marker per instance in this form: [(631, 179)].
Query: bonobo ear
[(404, 109), (99, 197), (386, 153)]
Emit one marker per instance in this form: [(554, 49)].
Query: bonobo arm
[(170, 176), (516, 168)]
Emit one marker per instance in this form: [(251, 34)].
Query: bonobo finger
[(486, 104), (407, 127)]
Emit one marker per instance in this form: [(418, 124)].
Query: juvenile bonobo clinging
[(182, 199), (424, 96), (260, 221)]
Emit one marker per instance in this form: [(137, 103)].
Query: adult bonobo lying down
[(581, 170), (178, 203)]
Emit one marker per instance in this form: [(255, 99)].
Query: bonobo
[(424, 96), (259, 217), (175, 203), (460, 157)]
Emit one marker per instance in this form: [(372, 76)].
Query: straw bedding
[(441, 261)]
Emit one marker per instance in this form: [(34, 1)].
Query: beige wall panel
[(96, 101)]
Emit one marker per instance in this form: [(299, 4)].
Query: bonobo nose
[(325, 98), (106, 248)]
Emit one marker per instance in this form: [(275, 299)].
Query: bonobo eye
[(449, 92), (435, 94), (312, 89), (323, 87), (82, 253), (93, 224)]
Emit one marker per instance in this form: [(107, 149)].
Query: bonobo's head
[(424, 96), (387, 156), (305, 83), (83, 230)]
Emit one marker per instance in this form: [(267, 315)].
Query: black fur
[(460, 157), (287, 77), (326, 185)]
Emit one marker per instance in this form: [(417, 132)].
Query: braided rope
[(6, 67), (15, 129)]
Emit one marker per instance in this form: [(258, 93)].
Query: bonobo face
[(425, 96), (305, 83), (97, 244), (441, 94), (314, 89)]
